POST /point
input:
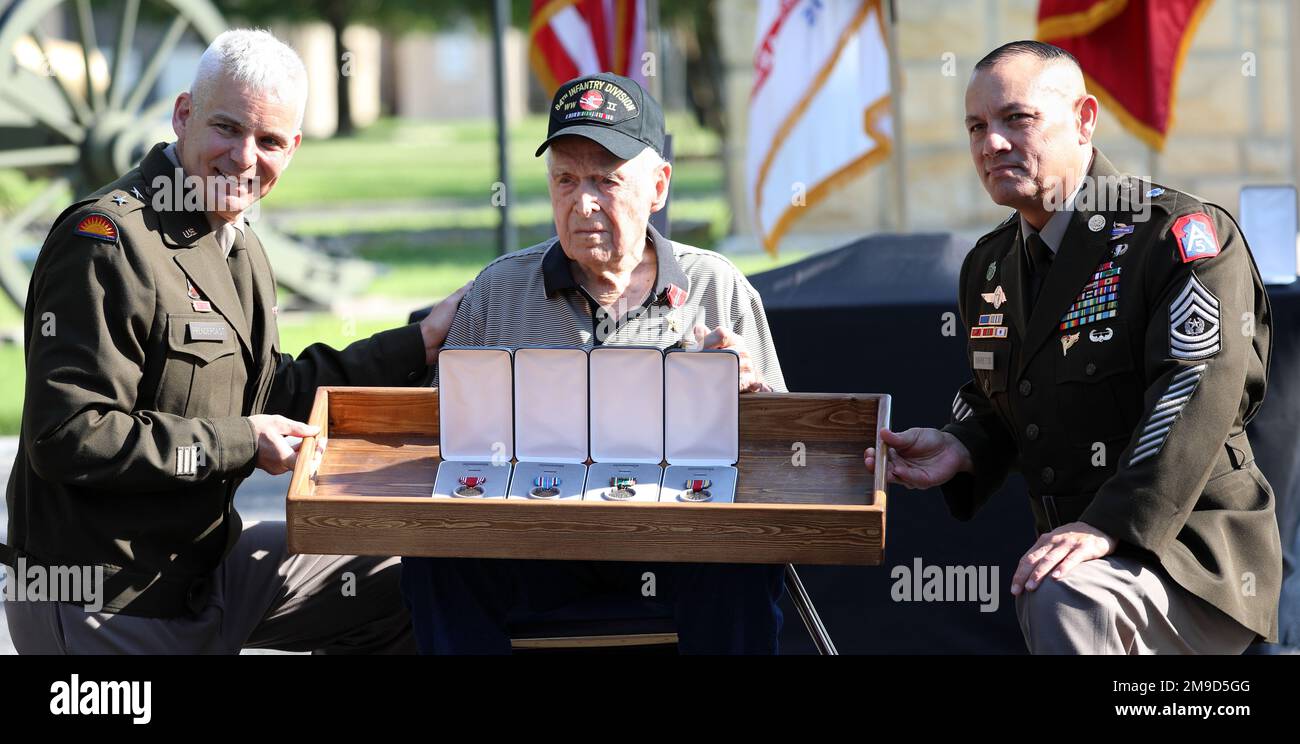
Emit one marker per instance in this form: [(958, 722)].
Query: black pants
[(466, 605)]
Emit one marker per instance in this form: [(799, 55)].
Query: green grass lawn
[(452, 165), (405, 160), (11, 388)]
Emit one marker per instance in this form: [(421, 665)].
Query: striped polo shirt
[(531, 298)]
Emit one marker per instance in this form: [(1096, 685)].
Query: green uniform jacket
[(128, 369), (1122, 398)]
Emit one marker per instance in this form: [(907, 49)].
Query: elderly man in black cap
[(607, 278)]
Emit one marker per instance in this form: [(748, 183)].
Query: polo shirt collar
[(672, 286)]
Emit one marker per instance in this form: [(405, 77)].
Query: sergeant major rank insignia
[(1194, 322)]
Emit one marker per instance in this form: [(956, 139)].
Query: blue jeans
[(467, 605)]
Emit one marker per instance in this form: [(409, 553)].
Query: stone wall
[(1233, 121)]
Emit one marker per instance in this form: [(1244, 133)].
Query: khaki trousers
[(261, 597), (1117, 605)]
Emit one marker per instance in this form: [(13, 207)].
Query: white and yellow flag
[(819, 111)]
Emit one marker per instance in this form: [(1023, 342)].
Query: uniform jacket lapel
[(1081, 250), (1012, 283), (264, 287), (194, 244)]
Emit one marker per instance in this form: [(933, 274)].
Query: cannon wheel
[(74, 137), (71, 135)]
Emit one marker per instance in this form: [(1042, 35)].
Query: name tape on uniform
[(207, 331)]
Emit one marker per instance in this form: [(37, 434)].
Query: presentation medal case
[(476, 421), (627, 424), (550, 386)]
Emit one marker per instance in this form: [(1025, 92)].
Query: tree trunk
[(343, 66)]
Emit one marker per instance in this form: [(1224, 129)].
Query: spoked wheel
[(75, 115)]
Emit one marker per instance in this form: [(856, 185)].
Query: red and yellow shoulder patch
[(1196, 237), (99, 227)]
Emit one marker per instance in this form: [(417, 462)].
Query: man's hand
[(921, 458), (275, 453), (438, 321), (721, 338), (1059, 551)]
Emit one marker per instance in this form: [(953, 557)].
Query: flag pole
[(506, 237), (898, 184)]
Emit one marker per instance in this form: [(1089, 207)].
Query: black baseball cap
[(609, 109)]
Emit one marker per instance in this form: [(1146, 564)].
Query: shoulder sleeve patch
[(1196, 237), (99, 227)]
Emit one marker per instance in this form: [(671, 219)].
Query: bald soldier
[(156, 384), (1119, 342)]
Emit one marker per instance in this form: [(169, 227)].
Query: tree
[(388, 15), (693, 20)]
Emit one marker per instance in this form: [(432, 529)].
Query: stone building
[(1233, 123)]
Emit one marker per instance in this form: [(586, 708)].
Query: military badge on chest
[(1099, 299), (199, 304)]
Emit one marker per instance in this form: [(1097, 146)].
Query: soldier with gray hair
[(156, 384)]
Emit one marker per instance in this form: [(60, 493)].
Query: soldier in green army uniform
[(156, 384), (1119, 340)]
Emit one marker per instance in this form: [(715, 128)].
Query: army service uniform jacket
[(141, 371), (1123, 395)]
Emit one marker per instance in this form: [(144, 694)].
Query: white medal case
[(550, 422), (701, 425), (475, 422), (627, 422)]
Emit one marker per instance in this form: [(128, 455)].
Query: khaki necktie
[(241, 270)]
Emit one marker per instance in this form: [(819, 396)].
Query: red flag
[(1131, 52), (570, 38)]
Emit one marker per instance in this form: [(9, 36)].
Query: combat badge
[(1068, 340)]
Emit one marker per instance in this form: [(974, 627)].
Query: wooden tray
[(366, 490)]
